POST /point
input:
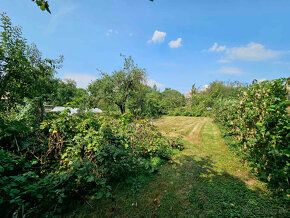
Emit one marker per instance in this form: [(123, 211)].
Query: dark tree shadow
[(215, 194)]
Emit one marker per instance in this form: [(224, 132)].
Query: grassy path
[(204, 180)]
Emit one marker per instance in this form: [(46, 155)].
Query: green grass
[(204, 180)]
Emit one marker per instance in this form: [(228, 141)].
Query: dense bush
[(72, 157), (260, 123), (200, 103)]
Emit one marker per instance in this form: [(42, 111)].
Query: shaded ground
[(204, 180)]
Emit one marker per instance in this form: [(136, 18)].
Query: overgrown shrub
[(69, 158), (260, 123)]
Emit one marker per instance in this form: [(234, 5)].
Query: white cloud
[(217, 48), (151, 83), (157, 37), (230, 70), (175, 43), (213, 48), (111, 31), (58, 16), (251, 52), (82, 80)]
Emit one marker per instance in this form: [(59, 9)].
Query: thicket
[(68, 158), (203, 102), (259, 125)]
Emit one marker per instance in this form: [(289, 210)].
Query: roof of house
[(75, 110)]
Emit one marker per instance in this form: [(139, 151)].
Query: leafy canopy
[(118, 87), (23, 72)]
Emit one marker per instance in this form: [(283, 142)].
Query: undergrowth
[(72, 158)]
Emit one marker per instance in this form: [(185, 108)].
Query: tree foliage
[(67, 93), (202, 102), (44, 6), (118, 87), (23, 72)]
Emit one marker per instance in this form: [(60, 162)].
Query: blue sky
[(179, 42)]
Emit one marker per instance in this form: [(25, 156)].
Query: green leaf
[(39, 196), (42, 7), (99, 195), (91, 179)]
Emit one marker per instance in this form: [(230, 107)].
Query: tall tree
[(23, 72), (117, 87)]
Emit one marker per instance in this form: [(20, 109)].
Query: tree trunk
[(122, 108), (40, 110)]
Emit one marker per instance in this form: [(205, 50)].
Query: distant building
[(96, 110), (188, 95), (49, 108)]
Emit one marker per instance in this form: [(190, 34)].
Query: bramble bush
[(260, 124), (69, 158)]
